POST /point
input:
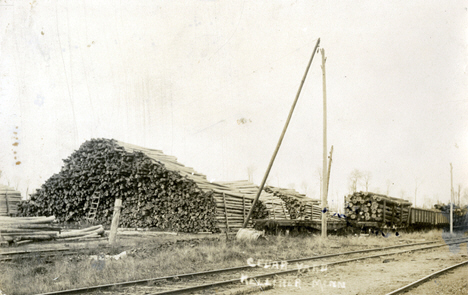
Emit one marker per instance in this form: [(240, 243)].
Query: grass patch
[(149, 258)]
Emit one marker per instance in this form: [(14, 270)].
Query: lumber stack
[(9, 200), (310, 211), (156, 190), (371, 207), (275, 207), (298, 205), (30, 229)]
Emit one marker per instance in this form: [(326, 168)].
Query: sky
[(212, 82)]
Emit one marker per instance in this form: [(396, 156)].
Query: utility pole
[(324, 171), (451, 198), (329, 167)]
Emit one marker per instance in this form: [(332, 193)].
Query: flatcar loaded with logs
[(366, 210)]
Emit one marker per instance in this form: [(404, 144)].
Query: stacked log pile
[(275, 206), (460, 214), (371, 207), (298, 205), (30, 229), (156, 190), (233, 206), (9, 200)]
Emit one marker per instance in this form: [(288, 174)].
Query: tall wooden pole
[(115, 222), (451, 198), (329, 167), (267, 172), (324, 171)]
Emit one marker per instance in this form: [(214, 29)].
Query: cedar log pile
[(156, 190), (30, 229), (370, 207), (275, 207), (299, 206), (9, 200)]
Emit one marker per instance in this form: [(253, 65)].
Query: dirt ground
[(383, 275)]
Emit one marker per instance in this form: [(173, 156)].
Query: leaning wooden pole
[(324, 171), (115, 221), (281, 137)]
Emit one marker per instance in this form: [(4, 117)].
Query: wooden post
[(384, 209), (401, 215), (324, 168), (115, 221), (226, 214), (409, 215), (7, 201), (243, 208)]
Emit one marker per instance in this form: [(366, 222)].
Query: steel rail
[(34, 251), (179, 276), (415, 283), (144, 281), (209, 285)]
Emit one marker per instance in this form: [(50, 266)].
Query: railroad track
[(424, 279), (204, 282), (28, 254)]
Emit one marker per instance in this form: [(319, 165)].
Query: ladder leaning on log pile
[(95, 198)]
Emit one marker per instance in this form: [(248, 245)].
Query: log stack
[(9, 200), (371, 207), (275, 206), (33, 229), (156, 190), (298, 205)]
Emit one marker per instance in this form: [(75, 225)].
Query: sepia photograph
[(233, 147)]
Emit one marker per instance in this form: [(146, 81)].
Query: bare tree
[(465, 196), (402, 193), (304, 186), (417, 183), (250, 171), (366, 176), (458, 193), (319, 172), (354, 178), (291, 186)]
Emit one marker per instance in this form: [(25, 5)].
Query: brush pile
[(370, 207), (31, 229), (156, 190), (9, 200)]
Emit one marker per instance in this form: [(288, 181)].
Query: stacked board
[(156, 190), (371, 207), (9, 200), (275, 206)]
